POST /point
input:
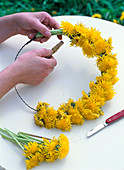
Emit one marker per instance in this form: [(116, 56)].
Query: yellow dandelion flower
[(85, 96), (113, 72), (109, 95), (49, 150), (68, 28), (54, 12), (41, 105), (100, 46), (31, 162), (122, 17), (89, 115), (106, 85), (111, 76), (79, 105), (38, 121), (122, 13), (77, 41), (115, 21), (92, 104), (95, 34), (105, 63), (50, 118), (80, 30), (30, 149), (40, 156), (32, 9), (88, 49), (62, 148), (64, 123), (77, 118), (97, 16), (46, 116), (109, 46)]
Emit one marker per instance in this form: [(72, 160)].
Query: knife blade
[(107, 122)]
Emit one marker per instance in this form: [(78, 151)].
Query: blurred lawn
[(109, 9)]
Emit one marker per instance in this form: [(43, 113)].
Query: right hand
[(32, 67)]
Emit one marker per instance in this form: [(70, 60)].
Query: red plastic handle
[(115, 117)]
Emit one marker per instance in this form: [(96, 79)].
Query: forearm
[(7, 80), (7, 27)]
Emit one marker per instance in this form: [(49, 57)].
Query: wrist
[(7, 27), (11, 74), (7, 80), (14, 73), (13, 21)]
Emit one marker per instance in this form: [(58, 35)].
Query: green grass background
[(109, 9)]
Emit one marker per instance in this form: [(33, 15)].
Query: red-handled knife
[(107, 122)]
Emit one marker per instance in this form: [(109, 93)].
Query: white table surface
[(103, 151)]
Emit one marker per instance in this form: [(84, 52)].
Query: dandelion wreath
[(89, 106)]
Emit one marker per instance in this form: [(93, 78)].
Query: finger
[(42, 29), (44, 52), (52, 62), (44, 39), (51, 69), (53, 23), (31, 35), (59, 37), (48, 20), (45, 75), (41, 40)]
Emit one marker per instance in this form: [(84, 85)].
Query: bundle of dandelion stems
[(89, 106), (37, 148)]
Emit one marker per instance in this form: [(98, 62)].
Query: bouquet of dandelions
[(37, 150)]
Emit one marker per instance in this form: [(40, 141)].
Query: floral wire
[(54, 49), (24, 100), (15, 86)]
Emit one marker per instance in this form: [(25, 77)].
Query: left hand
[(29, 23)]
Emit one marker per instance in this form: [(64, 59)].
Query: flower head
[(62, 148), (97, 16)]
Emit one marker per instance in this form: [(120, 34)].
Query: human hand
[(32, 67), (29, 23)]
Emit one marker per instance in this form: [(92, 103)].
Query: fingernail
[(47, 34)]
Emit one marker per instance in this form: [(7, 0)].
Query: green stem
[(14, 137), (53, 32), (4, 131), (34, 135), (21, 139), (6, 137), (29, 137)]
